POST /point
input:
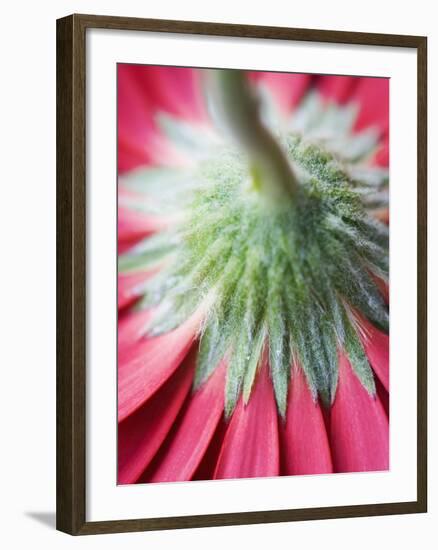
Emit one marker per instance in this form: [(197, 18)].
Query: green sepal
[(320, 359), (253, 363), (246, 318), (173, 312), (280, 354), (148, 253), (358, 359), (364, 295), (212, 350), (240, 357), (153, 180)]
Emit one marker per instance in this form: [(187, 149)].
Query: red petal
[(194, 432), (176, 90), (251, 447), (288, 88), (372, 94), (209, 460), (130, 286), (336, 88), (305, 444), (141, 434), (381, 158), (138, 138), (382, 215), (133, 225), (143, 91), (383, 396), (129, 159), (149, 363), (131, 328), (124, 246), (359, 435)]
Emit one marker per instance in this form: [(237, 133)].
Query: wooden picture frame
[(71, 273)]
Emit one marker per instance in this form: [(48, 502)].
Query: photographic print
[(253, 274), (237, 207)]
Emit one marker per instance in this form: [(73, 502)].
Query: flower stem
[(238, 109)]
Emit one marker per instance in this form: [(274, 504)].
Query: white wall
[(27, 217)]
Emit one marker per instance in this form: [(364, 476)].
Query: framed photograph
[(241, 274)]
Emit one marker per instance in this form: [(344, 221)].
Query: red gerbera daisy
[(253, 270)]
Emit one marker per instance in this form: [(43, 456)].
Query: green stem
[(239, 110)]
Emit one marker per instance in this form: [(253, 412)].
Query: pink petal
[(131, 154), (131, 328), (208, 463), (336, 88), (359, 429), (287, 88), (176, 90), (126, 245), (138, 139), (150, 362), (381, 158), (194, 432), (251, 447), (372, 94), (304, 441), (383, 396), (130, 286), (382, 215), (133, 225), (142, 433), (143, 92), (129, 158), (376, 345)]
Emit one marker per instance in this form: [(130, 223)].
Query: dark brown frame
[(71, 266)]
